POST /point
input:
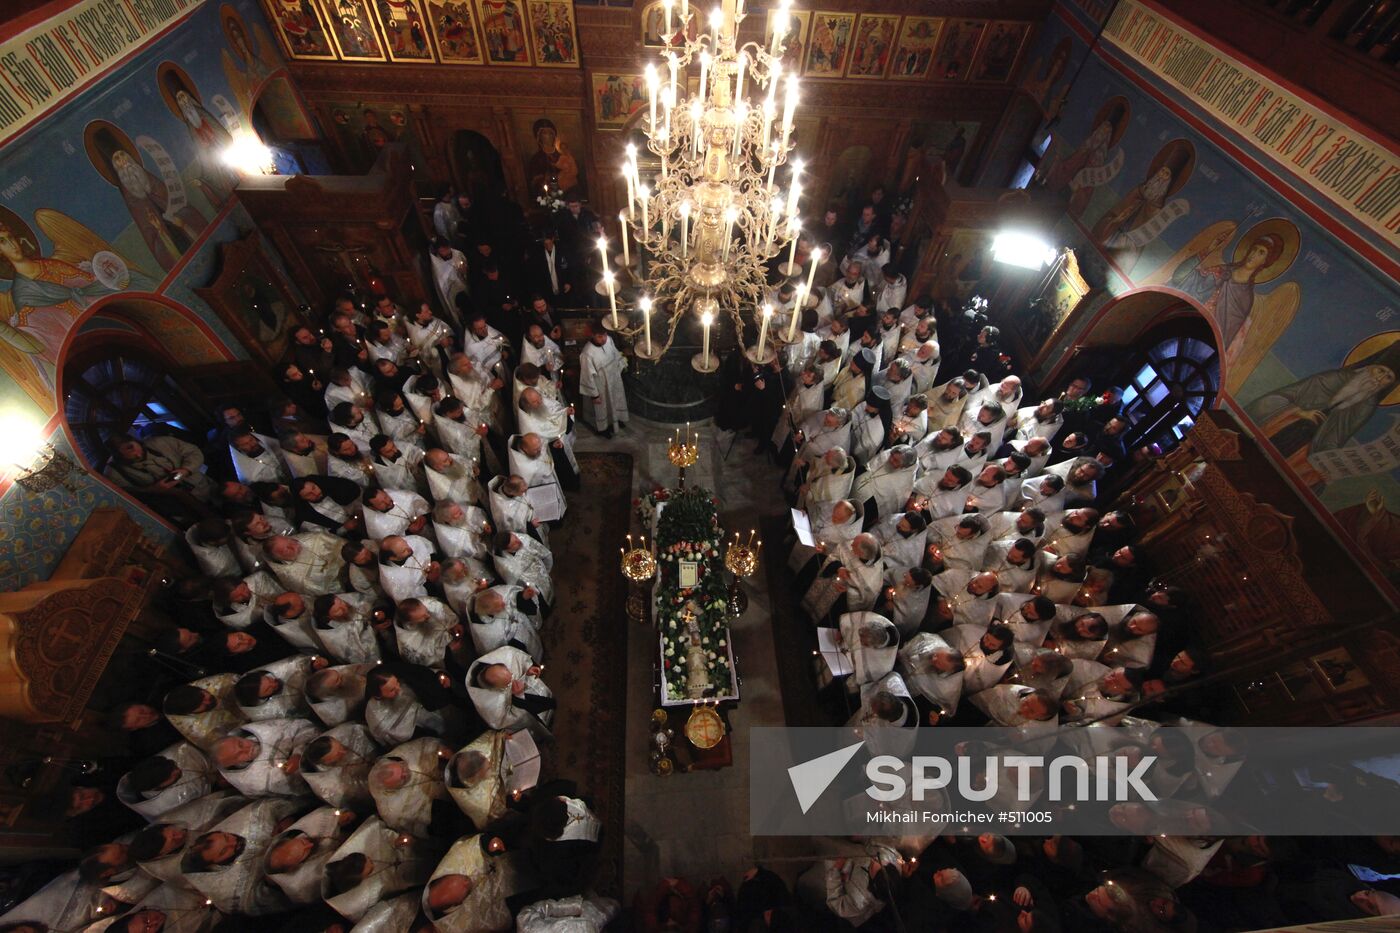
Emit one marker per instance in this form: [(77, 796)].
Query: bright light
[(23, 435), (1025, 250), (248, 156)]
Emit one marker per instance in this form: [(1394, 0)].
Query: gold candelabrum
[(700, 231), (638, 566), (742, 561), (683, 451)]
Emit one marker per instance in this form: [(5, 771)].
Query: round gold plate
[(704, 728)]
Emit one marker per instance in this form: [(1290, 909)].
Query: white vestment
[(495, 704), (538, 473), (400, 862), (346, 782), (600, 383), (407, 506), (409, 808), (266, 467), (531, 565), (408, 579), (192, 783), (278, 740), (426, 643)]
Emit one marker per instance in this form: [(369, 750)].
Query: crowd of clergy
[(959, 557), (348, 728)]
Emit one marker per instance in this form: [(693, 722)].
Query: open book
[(837, 661), (803, 526), (546, 499), (522, 762)]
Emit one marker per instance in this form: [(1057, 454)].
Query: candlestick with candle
[(603, 251), (817, 256), (626, 255), (794, 230), (799, 302), (703, 361), (647, 350), (612, 297), (759, 356)]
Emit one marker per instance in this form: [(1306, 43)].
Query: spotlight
[(1026, 250)]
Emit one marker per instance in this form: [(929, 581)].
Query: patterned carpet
[(586, 647)]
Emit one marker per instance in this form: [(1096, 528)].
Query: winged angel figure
[(48, 293), (1227, 288)]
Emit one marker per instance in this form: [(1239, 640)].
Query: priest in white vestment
[(261, 759), (296, 857), (871, 642), (211, 543), (203, 710), (343, 625), (375, 863), (529, 459), (467, 891), (308, 562), (544, 354), (505, 615), (481, 779), (508, 692), (394, 512), (276, 690), (449, 275), (337, 693), (405, 561), (934, 669), (398, 464), (257, 458), (523, 561), (901, 536), (886, 482), (304, 455), (424, 628), (156, 785), (336, 763), (406, 781), (452, 478), (511, 509), (600, 383), (829, 477)]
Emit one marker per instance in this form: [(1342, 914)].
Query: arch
[(476, 164), (1126, 317), (184, 338)]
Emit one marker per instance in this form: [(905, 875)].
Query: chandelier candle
[(763, 329), (626, 256), (799, 302), (716, 149)]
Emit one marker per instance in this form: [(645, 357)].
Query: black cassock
[(750, 397)]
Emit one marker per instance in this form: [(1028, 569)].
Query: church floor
[(695, 825)]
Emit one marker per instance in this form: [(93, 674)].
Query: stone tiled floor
[(696, 825)]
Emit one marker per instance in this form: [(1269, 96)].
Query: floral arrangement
[(689, 530), (552, 199), (645, 506)]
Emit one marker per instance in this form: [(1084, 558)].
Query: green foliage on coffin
[(689, 530)]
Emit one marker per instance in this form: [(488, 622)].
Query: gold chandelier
[(697, 234)]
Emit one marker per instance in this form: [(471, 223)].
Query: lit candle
[(603, 251), (741, 116), (768, 110), (626, 255), (793, 230), (798, 303), (817, 256), (645, 305), (705, 60), (653, 85), (716, 21), (730, 215), (794, 195), (706, 320), (763, 328), (740, 68), (685, 12), (780, 27), (685, 221), (667, 5), (673, 64), (644, 195), (612, 297)]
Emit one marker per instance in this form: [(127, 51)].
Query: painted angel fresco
[(1227, 287), (47, 294)]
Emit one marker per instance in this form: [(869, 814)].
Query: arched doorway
[(476, 165), (1163, 352)]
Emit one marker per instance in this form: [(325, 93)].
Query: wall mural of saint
[(158, 206), (211, 138), (1095, 161), (1147, 210), (247, 64)]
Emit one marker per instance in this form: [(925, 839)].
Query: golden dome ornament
[(683, 451)]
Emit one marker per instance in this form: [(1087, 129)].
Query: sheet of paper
[(803, 526), (546, 501), (522, 757)]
